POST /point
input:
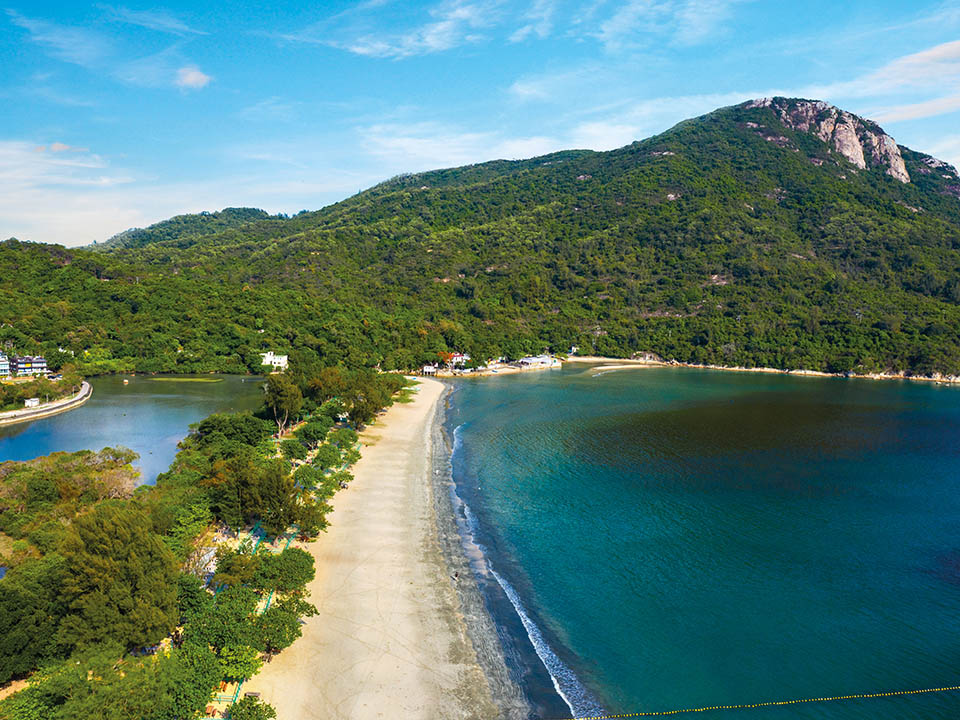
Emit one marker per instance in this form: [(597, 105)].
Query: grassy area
[(187, 379)]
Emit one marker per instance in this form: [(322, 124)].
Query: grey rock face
[(861, 142)]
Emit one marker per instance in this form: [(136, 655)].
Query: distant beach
[(612, 363)]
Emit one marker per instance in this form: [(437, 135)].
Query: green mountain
[(783, 233)]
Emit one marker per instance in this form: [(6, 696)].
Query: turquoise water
[(681, 538), (146, 415)]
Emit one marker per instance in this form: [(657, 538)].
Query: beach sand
[(390, 640)]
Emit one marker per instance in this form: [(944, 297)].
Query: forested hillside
[(757, 235)]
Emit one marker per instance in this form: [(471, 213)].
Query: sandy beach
[(390, 640)]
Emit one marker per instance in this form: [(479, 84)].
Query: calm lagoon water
[(150, 415), (681, 538)]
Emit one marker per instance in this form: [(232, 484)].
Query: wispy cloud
[(538, 20), (76, 45), (684, 22), (272, 109), (450, 25), (426, 145), (159, 20), (915, 111), (162, 69)]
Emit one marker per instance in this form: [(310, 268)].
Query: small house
[(429, 370), (277, 362), (31, 402)]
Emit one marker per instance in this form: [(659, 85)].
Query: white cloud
[(159, 20), (192, 78)]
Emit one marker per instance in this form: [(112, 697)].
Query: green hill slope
[(184, 228), (779, 233)]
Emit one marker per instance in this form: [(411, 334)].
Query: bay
[(684, 538), (149, 415)]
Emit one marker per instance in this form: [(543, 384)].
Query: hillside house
[(277, 362), (4, 365), (27, 365)]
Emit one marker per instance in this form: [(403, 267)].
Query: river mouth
[(148, 414)]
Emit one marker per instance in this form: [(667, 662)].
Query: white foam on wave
[(568, 686), (565, 681)]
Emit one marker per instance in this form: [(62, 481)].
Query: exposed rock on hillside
[(860, 141)]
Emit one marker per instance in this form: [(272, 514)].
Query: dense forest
[(133, 601), (731, 239)]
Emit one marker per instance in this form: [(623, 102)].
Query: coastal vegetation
[(731, 239), (123, 601)]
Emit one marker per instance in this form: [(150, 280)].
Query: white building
[(31, 402), (459, 359), (4, 365), (277, 362), (429, 370), (539, 361)]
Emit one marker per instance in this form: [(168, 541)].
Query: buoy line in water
[(771, 703)]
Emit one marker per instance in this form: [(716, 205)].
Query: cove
[(149, 415)]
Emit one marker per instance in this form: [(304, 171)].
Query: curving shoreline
[(625, 363), (13, 417)]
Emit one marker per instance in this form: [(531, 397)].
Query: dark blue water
[(682, 538), (148, 415)]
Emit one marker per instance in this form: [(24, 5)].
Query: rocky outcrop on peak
[(860, 141)]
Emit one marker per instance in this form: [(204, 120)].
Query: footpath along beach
[(391, 639)]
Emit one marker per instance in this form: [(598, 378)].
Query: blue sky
[(121, 115)]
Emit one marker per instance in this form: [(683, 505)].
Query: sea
[(658, 539)]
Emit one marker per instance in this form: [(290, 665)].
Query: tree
[(312, 517), (277, 506), (314, 432), (30, 609), (286, 572), (228, 622), (235, 567), (278, 629), (192, 598), (121, 579), (239, 662), (251, 708), (283, 399), (293, 449), (327, 456)]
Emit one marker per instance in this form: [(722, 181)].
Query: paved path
[(11, 417)]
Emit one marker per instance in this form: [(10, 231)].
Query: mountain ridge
[(730, 239)]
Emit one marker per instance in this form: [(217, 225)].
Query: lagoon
[(149, 415), (683, 538)]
